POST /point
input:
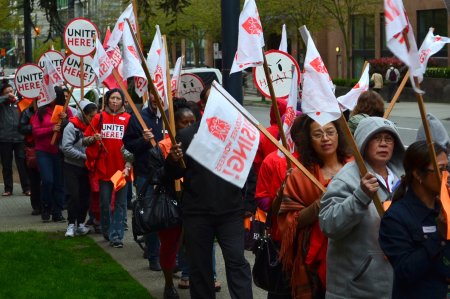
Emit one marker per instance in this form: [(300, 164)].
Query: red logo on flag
[(318, 65), (218, 127), (356, 86), (46, 79), (133, 51), (437, 39), (252, 26), (289, 116), (121, 26)]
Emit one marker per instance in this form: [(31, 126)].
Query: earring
[(420, 182)]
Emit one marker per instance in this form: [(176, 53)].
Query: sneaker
[(154, 265), (171, 293), (82, 230), (116, 244), (70, 230), (59, 218)]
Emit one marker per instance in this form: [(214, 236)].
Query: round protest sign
[(55, 57), (190, 87), (79, 36), (280, 64), (28, 80), (71, 70)]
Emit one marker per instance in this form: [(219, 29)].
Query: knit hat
[(438, 132), (83, 103)]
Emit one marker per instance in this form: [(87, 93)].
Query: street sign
[(71, 70), (280, 65), (79, 36), (28, 80), (55, 57), (190, 87)]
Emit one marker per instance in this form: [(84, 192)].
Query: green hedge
[(438, 72), (345, 82)]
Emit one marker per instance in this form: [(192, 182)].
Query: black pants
[(6, 155), (35, 188), (78, 191), (200, 232)]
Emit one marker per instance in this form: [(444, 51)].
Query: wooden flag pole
[(131, 103), (82, 78), (154, 91), (66, 103), (272, 139), (275, 106), (391, 105)]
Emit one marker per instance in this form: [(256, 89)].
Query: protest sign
[(71, 70), (28, 80), (79, 36), (190, 87)]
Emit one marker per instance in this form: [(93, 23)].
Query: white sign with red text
[(79, 36), (71, 70), (28, 80), (227, 138), (55, 57)]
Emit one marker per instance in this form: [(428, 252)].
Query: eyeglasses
[(321, 134), (388, 139), (441, 169)]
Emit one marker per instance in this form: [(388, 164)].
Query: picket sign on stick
[(131, 103), (66, 103), (154, 91), (275, 107), (272, 139), (82, 78), (396, 96)]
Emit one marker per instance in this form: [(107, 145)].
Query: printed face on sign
[(281, 67), (79, 36), (28, 80), (71, 70), (190, 87)]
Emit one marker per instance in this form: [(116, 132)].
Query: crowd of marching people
[(332, 244)]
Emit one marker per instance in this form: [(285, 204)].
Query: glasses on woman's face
[(441, 169), (318, 135), (388, 139)]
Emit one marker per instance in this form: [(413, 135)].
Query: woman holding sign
[(413, 232), (44, 124), (110, 126)]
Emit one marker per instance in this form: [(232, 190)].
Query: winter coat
[(9, 121), (71, 146)]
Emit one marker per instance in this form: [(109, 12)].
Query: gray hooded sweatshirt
[(356, 267)]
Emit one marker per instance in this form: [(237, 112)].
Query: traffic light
[(3, 52), (37, 30)]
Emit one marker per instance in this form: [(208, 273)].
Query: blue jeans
[(152, 239), (52, 184), (112, 223)]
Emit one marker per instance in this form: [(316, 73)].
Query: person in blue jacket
[(413, 231)]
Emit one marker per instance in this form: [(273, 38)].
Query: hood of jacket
[(438, 131), (370, 126), (109, 111)]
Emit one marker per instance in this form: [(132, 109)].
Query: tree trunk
[(27, 31)]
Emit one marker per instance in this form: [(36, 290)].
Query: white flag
[(102, 64), (118, 30), (318, 99), (283, 43), (290, 114), (156, 61), (55, 77), (400, 37), (47, 90), (430, 46), (226, 137), (250, 40), (132, 63), (350, 99), (175, 81)]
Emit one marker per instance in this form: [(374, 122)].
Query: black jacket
[(418, 254), (204, 193), (135, 143), (9, 121)]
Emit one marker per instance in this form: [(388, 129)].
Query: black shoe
[(116, 244), (36, 212), (45, 217), (171, 293), (59, 218), (154, 265), (106, 237)]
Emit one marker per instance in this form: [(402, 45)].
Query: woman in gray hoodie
[(356, 266)]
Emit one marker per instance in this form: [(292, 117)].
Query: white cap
[(83, 103)]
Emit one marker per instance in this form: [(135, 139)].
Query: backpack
[(392, 76)]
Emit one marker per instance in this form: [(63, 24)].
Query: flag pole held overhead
[(153, 90)]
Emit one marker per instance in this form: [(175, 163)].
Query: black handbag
[(267, 270), (257, 228)]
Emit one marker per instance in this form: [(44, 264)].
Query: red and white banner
[(430, 46), (118, 30), (116, 57), (54, 72), (226, 137), (400, 37), (132, 63), (175, 81), (28, 80), (350, 99), (318, 99), (283, 42), (156, 61), (250, 40), (102, 64), (290, 114)]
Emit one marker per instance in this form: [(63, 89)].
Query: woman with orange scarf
[(303, 250)]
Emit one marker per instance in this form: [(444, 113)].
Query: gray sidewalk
[(15, 215)]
